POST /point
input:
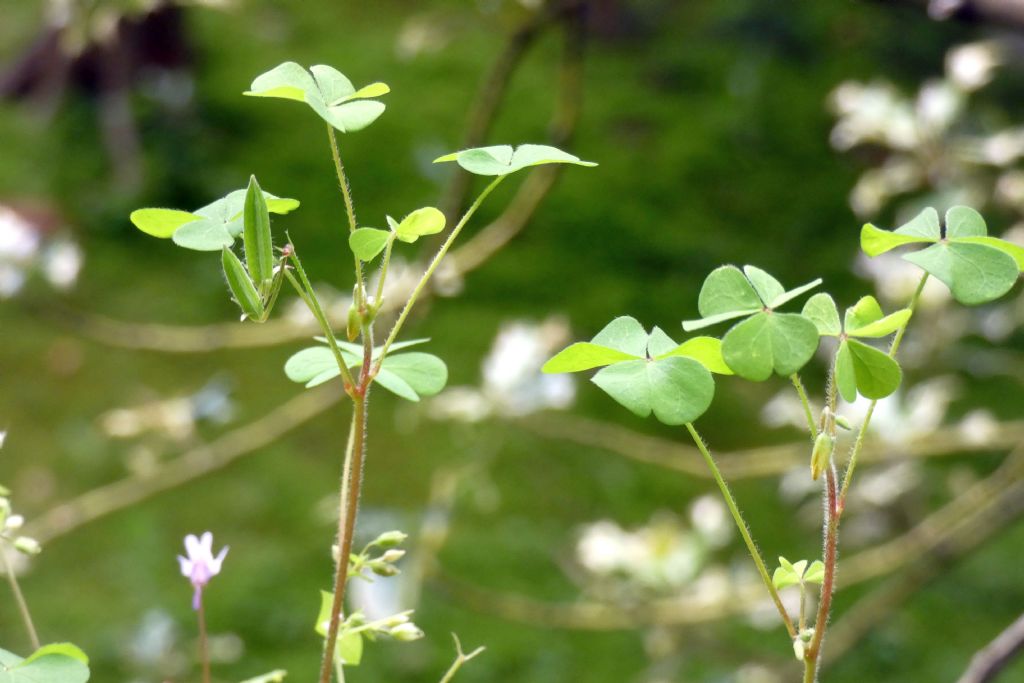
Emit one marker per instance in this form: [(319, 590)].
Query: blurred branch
[(755, 462), (988, 662), (192, 464), (952, 530)]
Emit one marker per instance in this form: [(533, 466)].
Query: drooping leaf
[(412, 375), (846, 377), (974, 273), (326, 90), (766, 342), (161, 222), (821, 310), (584, 356), (865, 319), (502, 160), (316, 365), (425, 221), (877, 374), (705, 350), (677, 390), (366, 243)]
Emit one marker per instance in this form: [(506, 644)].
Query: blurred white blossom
[(24, 251), (512, 383)]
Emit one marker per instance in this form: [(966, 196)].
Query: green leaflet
[(366, 243), (409, 375), (769, 342), (425, 221), (326, 90), (161, 222), (976, 268), (56, 663), (503, 160)]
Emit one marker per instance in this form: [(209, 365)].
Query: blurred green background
[(710, 125)]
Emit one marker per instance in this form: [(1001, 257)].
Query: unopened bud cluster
[(383, 564), (10, 524), (397, 626)]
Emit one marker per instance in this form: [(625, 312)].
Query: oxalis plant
[(650, 372), (360, 356)]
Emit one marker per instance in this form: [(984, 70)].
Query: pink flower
[(200, 566)]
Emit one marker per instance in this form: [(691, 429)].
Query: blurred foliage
[(710, 125)]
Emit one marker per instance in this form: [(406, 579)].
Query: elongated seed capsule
[(259, 244), (241, 286), (821, 454)]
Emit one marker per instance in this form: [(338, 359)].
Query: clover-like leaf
[(676, 389), (210, 228), (865, 319), (161, 222), (729, 293), (425, 221), (797, 573), (56, 663), (409, 375), (821, 310), (767, 342), (326, 90), (366, 243), (647, 372), (503, 160), (976, 268), (815, 573)]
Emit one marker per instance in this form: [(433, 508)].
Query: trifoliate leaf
[(766, 342), (326, 90), (677, 390), (922, 228), (502, 160), (729, 293)]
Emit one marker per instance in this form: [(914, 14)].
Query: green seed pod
[(821, 454), (241, 286), (843, 422), (259, 244), (352, 327)]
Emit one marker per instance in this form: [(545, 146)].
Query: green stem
[(808, 412), (204, 650), (433, 266), (743, 528), (385, 262), (858, 444), (830, 552), (308, 295), (346, 194), (26, 616)]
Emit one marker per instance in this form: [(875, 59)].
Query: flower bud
[(406, 632), (383, 568), (392, 556), (822, 454), (798, 648), (14, 522), (396, 620), (843, 422), (390, 539), (26, 545)]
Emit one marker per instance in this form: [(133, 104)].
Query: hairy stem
[(346, 195), (859, 443), (808, 413), (433, 265), (743, 528), (26, 616), (831, 546), (352, 475)]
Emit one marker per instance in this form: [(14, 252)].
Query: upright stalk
[(744, 529), (433, 265), (808, 413), (346, 194), (831, 545), (204, 649), (859, 443), (350, 487), (26, 616)]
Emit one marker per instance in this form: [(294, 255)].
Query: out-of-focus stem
[(26, 616), (741, 524), (831, 544)]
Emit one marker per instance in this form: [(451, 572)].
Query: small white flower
[(200, 566)]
